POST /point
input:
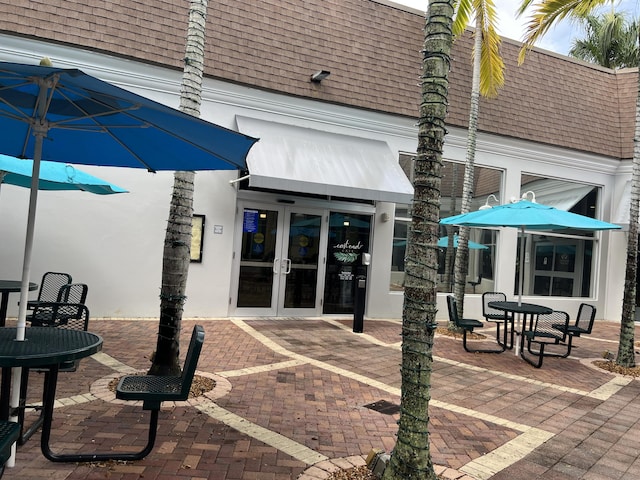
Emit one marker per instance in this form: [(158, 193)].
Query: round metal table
[(7, 287), (524, 309), (42, 347), (45, 346)]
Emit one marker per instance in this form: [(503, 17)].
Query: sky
[(558, 39)]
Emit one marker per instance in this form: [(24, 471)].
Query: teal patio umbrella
[(526, 215), (443, 242), (52, 176)]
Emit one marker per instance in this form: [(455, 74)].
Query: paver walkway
[(291, 401)]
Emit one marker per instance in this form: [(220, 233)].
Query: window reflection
[(558, 263), (561, 260), (482, 252)]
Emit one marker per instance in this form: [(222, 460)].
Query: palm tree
[(610, 41), (177, 243), (545, 14), (411, 457), (488, 77)]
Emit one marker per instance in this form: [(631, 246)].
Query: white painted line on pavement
[(296, 450)]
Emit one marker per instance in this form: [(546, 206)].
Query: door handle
[(287, 270), (275, 262)]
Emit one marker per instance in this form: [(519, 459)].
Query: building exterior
[(327, 182)]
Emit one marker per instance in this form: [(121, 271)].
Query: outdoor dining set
[(55, 341), (537, 326), (77, 113)]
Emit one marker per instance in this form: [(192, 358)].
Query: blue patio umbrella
[(53, 176), (443, 242), (65, 115), (527, 215)]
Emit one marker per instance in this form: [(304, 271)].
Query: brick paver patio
[(291, 402)]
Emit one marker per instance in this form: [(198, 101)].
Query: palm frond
[(609, 41), (547, 13), (491, 63), (464, 9)]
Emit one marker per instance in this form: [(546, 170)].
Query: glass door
[(278, 262), (557, 269), (300, 264), (348, 242)]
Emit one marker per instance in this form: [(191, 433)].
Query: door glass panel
[(562, 267), (562, 287), (541, 285), (302, 263), (348, 240), (565, 260), (255, 286), (562, 263)]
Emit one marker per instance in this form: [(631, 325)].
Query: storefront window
[(481, 265), (559, 263)]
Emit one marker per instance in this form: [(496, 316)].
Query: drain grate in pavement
[(286, 377), (383, 406)]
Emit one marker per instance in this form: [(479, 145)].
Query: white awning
[(559, 194), (295, 159)]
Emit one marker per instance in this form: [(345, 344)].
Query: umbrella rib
[(73, 103), (127, 112), (196, 145), (108, 128)]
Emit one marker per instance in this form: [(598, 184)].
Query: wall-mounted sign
[(250, 221), (197, 229)]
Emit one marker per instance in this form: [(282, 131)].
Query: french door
[(557, 268), (279, 264)]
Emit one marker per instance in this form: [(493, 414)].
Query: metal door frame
[(279, 265)]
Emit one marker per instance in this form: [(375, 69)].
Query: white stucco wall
[(115, 243)]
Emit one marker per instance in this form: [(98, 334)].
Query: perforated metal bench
[(548, 329), (152, 390), (467, 325), (9, 434)]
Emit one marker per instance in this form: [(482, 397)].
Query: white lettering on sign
[(348, 246), (345, 276)]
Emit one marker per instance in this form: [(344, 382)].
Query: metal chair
[(73, 293), (43, 312), (9, 432), (49, 288), (467, 325), (544, 332), (152, 390), (498, 316), (70, 316), (475, 283), (582, 326)]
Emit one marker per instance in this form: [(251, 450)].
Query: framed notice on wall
[(197, 229)]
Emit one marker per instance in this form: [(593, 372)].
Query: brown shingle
[(372, 50)]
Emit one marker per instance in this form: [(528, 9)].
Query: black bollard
[(358, 303)]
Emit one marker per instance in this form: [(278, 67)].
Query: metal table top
[(527, 308), (46, 346), (14, 285)]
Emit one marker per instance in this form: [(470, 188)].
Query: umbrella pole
[(28, 244), (16, 372), (520, 287)]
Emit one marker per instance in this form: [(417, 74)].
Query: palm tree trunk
[(450, 254), (177, 243), (411, 457), (626, 352), (462, 253)]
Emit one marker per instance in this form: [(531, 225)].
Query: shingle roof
[(372, 51)]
